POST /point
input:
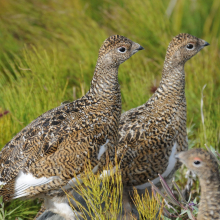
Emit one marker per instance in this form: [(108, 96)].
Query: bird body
[(204, 164), (151, 134), (54, 148)]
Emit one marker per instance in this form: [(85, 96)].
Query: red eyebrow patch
[(197, 158)]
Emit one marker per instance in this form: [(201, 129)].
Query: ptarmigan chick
[(151, 134), (203, 164), (52, 149)]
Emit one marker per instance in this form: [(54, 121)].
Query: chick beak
[(206, 44)]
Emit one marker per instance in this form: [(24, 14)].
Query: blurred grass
[(48, 51)]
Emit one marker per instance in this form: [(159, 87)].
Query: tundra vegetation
[(48, 51)]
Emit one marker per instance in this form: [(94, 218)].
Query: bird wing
[(58, 168), (42, 137), (144, 138)]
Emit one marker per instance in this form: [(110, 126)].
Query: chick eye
[(121, 49), (189, 46), (197, 162)]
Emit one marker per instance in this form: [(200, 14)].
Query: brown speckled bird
[(52, 149), (151, 134), (204, 164)]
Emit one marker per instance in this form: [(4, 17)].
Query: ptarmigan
[(203, 164), (151, 134), (52, 149)]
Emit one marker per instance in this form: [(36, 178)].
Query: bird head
[(117, 49), (200, 161), (183, 47)]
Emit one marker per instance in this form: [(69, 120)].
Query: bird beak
[(206, 44), (140, 48), (136, 47)]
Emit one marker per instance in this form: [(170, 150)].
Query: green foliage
[(178, 207), (48, 51), (102, 193), (18, 210), (62, 41)]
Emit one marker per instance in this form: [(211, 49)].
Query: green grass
[(48, 51)]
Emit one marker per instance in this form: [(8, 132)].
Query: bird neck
[(173, 77), (171, 91), (208, 178), (210, 191), (105, 80), (210, 182)]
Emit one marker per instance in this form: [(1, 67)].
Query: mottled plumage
[(151, 134), (204, 164), (54, 148)]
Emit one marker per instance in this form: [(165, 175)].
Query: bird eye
[(190, 46), (121, 49), (197, 162)]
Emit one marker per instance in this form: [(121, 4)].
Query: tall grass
[(48, 51)]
